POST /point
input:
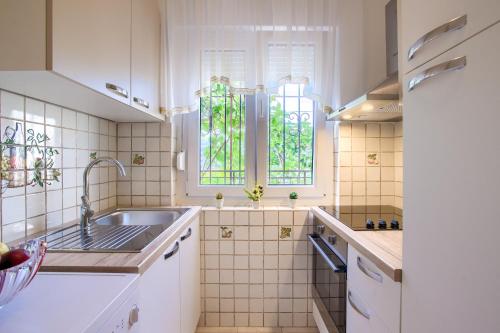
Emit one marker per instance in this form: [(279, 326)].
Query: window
[(291, 137), (222, 138), (237, 141)]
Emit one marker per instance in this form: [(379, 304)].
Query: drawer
[(379, 293), (431, 24), (359, 319)]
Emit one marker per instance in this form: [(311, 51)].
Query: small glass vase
[(256, 204)]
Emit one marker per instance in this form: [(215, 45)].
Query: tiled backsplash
[(72, 140), (256, 268), (146, 149), (368, 163)]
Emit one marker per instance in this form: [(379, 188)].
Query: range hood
[(382, 102), (379, 104)]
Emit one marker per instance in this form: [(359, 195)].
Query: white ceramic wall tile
[(53, 115), (68, 118), (257, 280), (35, 111), (68, 132), (11, 105)]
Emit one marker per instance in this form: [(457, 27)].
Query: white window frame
[(314, 191), (256, 156), (193, 187)]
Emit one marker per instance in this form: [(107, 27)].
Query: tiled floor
[(255, 330)]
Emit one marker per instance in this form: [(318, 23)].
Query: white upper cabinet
[(90, 55), (91, 44), (360, 62), (432, 27), (145, 80)]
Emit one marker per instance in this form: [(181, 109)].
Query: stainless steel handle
[(117, 90), (330, 263), (455, 24), (447, 66), (187, 235), (356, 307), (171, 253), (141, 102), (133, 316), (368, 272)]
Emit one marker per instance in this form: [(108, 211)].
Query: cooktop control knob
[(370, 224), (394, 224), (332, 240), (382, 224)]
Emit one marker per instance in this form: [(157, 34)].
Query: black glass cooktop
[(368, 217)]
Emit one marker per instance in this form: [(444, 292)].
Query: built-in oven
[(329, 277)]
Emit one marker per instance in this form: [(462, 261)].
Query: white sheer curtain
[(250, 45)]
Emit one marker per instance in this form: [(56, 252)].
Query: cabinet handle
[(141, 102), (117, 90), (133, 316), (356, 307), (171, 253), (447, 66), (455, 24), (368, 272), (187, 235)]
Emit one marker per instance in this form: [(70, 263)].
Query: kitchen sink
[(120, 230), (141, 217)]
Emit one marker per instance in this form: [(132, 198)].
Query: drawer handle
[(447, 66), (141, 102), (356, 307), (368, 272), (171, 253), (455, 24), (117, 90), (187, 235)]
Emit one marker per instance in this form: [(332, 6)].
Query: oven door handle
[(313, 239)]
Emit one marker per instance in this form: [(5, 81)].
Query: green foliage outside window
[(291, 137), (222, 137), (290, 150)]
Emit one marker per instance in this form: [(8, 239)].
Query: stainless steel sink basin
[(140, 217), (121, 230)]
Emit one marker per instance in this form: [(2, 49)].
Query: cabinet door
[(160, 294), (190, 278), (419, 18), (360, 60), (91, 44), (452, 188), (379, 293), (360, 318), (349, 61), (145, 78)]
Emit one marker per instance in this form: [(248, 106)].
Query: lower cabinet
[(373, 298), (170, 291)]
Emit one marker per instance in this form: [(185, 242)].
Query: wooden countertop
[(383, 248), (119, 262)]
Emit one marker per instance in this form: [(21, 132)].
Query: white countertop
[(66, 302), (383, 248)]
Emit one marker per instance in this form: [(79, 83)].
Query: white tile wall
[(153, 182), (358, 182), (30, 209), (259, 277)]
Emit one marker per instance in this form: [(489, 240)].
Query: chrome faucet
[(85, 211)]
